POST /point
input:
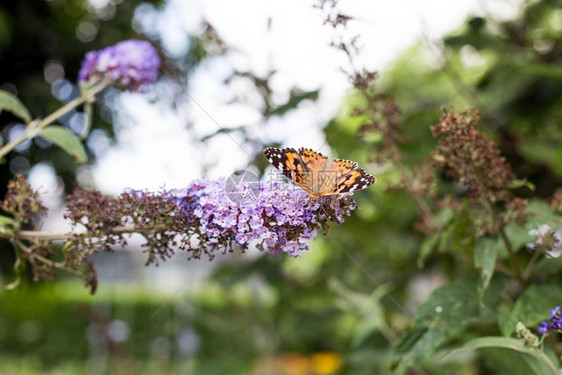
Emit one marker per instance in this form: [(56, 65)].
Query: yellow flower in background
[(325, 363), (321, 363)]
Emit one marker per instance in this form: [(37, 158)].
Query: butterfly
[(311, 171)]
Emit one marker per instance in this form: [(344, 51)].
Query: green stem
[(513, 258), (426, 211), (500, 267), (529, 268), (35, 127), (489, 205), (54, 236), (42, 259), (30, 235)]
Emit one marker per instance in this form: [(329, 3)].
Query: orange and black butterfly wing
[(315, 169), (309, 170), (341, 166), (313, 161), (288, 161), (356, 179)]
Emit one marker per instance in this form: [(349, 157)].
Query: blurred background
[(239, 76)]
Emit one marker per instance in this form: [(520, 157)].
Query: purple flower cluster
[(129, 64), (281, 219), (555, 322)]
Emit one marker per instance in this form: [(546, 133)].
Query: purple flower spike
[(129, 64), (555, 322), (279, 220), (205, 218)]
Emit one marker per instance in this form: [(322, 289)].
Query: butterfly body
[(311, 171)]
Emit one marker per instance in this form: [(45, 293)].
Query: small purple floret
[(129, 64)]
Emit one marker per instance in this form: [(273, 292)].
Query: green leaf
[(11, 103), (439, 241), (504, 311), (241, 129), (6, 232), (66, 140), (6, 221), (427, 246), (542, 214), (6, 225), (367, 306), (544, 70), (532, 307), (459, 235), (444, 315), (19, 267), (415, 346), (518, 236), (534, 358), (455, 304), (485, 256), (516, 184), (492, 342), (66, 246), (548, 266), (14, 284), (295, 98)]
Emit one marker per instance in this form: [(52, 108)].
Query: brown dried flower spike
[(470, 158), (22, 201)]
